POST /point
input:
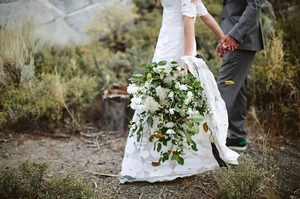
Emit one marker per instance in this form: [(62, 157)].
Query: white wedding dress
[(138, 157)]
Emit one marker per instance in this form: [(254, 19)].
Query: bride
[(176, 42)]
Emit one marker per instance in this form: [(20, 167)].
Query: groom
[(242, 25)]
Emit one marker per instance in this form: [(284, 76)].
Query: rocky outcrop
[(60, 21)]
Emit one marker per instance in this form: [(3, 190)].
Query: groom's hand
[(229, 43), (220, 50)]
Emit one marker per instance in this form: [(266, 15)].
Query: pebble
[(6, 155), (282, 148)]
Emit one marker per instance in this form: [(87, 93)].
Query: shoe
[(236, 144)]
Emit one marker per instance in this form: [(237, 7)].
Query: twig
[(101, 174), (161, 191), (97, 142), (95, 183), (91, 135), (61, 135), (141, 195), (203, 189), (297, 190), (6, 140), (60, 162), (87, 161)]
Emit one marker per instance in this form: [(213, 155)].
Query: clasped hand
[(227, 43)]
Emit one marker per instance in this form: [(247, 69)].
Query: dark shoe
[(236, 144)]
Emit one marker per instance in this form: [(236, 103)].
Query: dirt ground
[(73, 154)]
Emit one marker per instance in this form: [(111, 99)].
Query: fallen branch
[(87, 161), (61, 135), (101, 174), (55, 161)]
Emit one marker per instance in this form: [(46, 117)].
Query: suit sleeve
[(247, 19)]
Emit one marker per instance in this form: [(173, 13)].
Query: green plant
[(274, 87), (246, 180), (36, 103), (16, 61), (29, 181)]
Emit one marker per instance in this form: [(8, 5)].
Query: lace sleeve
[(201, 9), (189, 8)]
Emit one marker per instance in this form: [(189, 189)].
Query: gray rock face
[(60, 21)]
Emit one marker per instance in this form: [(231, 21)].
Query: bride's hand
[(186, 68)]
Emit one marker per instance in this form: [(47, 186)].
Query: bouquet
[(175, 99)]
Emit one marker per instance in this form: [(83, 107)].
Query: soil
[(74, 154)]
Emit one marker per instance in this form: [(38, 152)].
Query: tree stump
[(115, 113)]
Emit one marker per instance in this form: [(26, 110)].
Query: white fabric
[(138, 157), (170, 44)]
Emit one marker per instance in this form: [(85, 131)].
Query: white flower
[(170, 131), (147, 84), (171, 94), (170, 125), (177, 85), (136, 103), (190, 111), (171, 110), (187, 100), (151, 105), (190, 94), (132, 89), (169, 78), (136, 100), (136, 106), (181, 73), (178, 68), (183, 87), (162, 93)]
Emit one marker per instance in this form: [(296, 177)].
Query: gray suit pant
[(235, 68)]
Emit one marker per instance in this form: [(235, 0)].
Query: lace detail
[(188, 8), (201, 9)]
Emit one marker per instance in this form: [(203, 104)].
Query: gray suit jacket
[(241, 20)]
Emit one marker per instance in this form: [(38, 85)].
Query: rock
[(69, 5), (282, 148), (17, 11), (6, 155), (56, 21)]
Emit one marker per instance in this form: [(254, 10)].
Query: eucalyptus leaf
[(180, 161), (162, 63)]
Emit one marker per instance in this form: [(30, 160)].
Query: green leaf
[(158, 147), (180, 161), (144, 65), (194, 147), (173, 157), (197, 118), (194, 129), (197, 84), (137, 75), (162, 63), (148, 69), (174, 62)]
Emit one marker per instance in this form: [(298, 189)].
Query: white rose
[(171, 110), (170, 125), (132, 89), (171, 94), (189, 94), (170, 131), (183, 87)]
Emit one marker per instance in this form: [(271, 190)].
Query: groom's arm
[(246, 21)]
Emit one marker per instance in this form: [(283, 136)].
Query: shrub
[(246, 180), (274, 87), (29, 181), (16, 61), (29, 104)]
